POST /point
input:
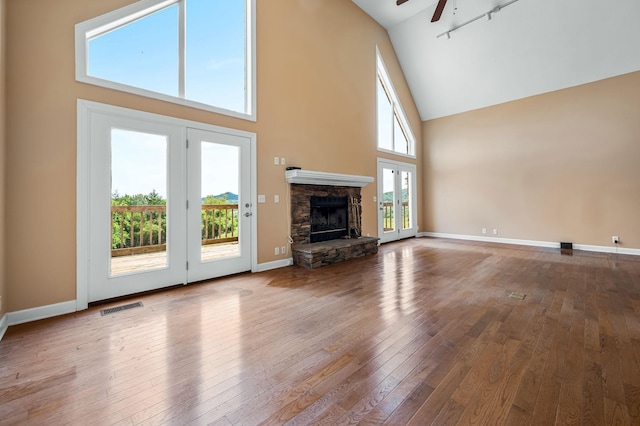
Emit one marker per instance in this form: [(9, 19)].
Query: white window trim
[(383, 74), (120, 17)]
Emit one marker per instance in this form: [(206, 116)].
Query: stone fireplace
[(326, 217)]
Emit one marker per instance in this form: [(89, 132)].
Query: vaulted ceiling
[(527, 48)]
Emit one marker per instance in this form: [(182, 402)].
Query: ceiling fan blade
[(439, 9), (399, 2)]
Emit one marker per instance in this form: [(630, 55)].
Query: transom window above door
[(198, 53)]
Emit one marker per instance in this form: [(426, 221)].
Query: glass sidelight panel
[(219, 187), (138, 201)]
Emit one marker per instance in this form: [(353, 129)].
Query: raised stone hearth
[(315, 255)]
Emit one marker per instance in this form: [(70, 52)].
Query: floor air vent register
[(115, 309)]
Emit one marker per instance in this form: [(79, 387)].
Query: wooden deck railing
[(219, 223), (389, 220), (143, 229)]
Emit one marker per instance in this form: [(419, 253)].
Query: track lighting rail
[(487, 15)]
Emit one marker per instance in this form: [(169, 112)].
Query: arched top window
[(199, 53)]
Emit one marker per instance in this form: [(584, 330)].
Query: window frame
[(110, 21), (382, 75)]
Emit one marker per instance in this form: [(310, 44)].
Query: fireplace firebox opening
[(329, 218), (340, 208)]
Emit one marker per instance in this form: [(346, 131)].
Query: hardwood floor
[(423, 333)]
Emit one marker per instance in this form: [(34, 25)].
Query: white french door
[(160, 202), (218, 164), (131, 158), (397, 196)]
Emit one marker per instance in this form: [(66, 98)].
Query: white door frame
[(398, 232), (85, 109)]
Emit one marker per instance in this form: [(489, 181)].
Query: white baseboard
[(261, 267), (41, 312), (4, 324), (607, 249), (534, 243)]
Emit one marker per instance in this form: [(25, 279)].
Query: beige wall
[(3, 298), (563, 166), (316, 107)]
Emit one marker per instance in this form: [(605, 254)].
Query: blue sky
[(144, 54), (135, 157)]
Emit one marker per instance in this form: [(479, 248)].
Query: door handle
[(247, 214)]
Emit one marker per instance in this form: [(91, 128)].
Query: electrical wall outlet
[(276, 161), (283, 250), (615, 239), (277, 251), (484, 230), (282, 161), (495, 231), (276, 198)]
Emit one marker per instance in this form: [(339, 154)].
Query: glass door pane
[(138, 201), (219, 183), (405, 183), (388, 199)]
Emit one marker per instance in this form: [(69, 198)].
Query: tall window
[(194, 52), (394, 133)]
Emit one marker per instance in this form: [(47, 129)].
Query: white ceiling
[(528, 48)]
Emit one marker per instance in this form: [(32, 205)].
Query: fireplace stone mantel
[(309, 177)]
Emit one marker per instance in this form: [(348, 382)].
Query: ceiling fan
[(436, 14)]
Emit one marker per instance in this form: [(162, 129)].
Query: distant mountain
[(229, 197), (388, 196)]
